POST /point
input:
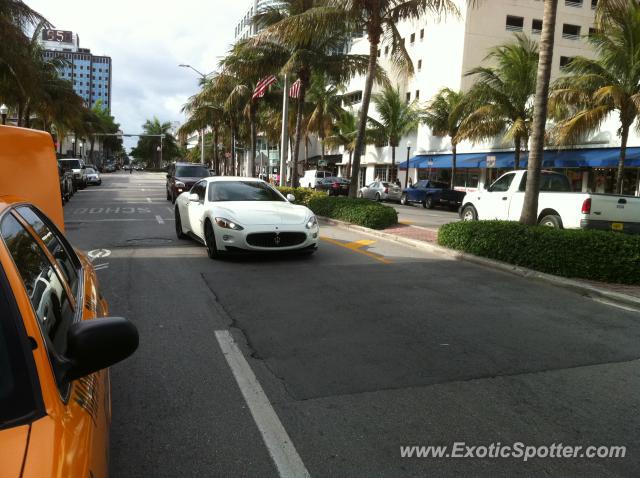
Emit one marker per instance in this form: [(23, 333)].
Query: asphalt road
[(416, 215), (363, 348)]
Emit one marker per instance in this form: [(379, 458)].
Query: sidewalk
[(428, 235)]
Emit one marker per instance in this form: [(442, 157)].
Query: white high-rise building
[(442, 52), (245, 28)]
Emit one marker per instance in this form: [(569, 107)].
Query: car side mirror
[(97, 344), (193, 197), (291, 198)]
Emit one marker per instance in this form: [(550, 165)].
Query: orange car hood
[(13, 446)]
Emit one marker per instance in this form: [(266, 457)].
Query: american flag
[(294, 91), (262, 86)]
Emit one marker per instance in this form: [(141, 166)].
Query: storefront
[(589, 170)]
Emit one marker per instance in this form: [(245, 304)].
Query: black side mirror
[(97, 344)]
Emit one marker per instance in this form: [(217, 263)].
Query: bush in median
[(356, 211), (597, 255), (302, 195)]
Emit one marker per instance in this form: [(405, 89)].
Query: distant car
[(182, 176), (311, 177), (381, 191), (231, 214), (109, 168), (139, 167), (77, 167), (432, 193), (93, 176), (126, 167), (333, 186)]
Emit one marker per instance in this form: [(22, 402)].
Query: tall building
[(245, 28), (90, 74), (443, 51)]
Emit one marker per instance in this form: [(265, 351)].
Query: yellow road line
[(406, 223), (357, 247)]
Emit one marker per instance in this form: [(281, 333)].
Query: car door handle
[(504, 198)]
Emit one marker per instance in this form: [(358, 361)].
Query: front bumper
[(231, 241)]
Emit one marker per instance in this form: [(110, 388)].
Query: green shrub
[(302, 195), (587, 254), (356, 211)]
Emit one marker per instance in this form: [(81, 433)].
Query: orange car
[(56, 341)]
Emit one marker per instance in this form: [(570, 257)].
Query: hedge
[(356, 211), (302, 194), (586, 254)]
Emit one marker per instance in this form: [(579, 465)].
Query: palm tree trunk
[(20, 111), (27, 115), (233, 150), (306, 152), (392, 174), (516, 156), (254, 134), (92, 141), (216, 159), (349, 165), (623, 156), (529, 213), (374, 40), (454, 151), (296, 148)]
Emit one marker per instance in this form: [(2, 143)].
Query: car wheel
[(173, 198), (99, 182), (179, 232), (403, 199), (428, 202), (551, 220), (210, 240), (168, 195), (469, 213), (378, 197)]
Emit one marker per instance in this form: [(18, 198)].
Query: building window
[(417, 94), (565, 60), (592, 31), (536, 26), (573, 3), (570, 32), (379, 52), (413, 38), (419, 65), (386, 50), (422, 34), (594, 4), (514, 24), (380, 173), (408, 96)]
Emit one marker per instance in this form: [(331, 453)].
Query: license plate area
[(617, 226)]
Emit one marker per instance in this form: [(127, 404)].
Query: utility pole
[(284, 138)]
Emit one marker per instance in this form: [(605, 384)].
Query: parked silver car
[(381, 191)]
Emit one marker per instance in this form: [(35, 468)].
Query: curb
[(571, 284)]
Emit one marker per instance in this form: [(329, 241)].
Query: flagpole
[(284, 139)]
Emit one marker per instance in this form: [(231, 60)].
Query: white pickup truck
[(557, 206)]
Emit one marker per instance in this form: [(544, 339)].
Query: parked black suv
[(181, 176)]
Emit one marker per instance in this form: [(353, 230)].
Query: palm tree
[(146, 149), (593, 89), (501, 97), (313, 34), (529, 213), (397, 119), (444, 114), (326, 108), (379, 19), (344, 134)]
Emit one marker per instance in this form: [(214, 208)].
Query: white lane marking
[(613, 304), (160, 220), (148, 199), (275, 437), (99, 267), (98, 253), (169, 209)]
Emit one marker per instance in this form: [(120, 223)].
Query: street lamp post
[(430, 163), (204, 77), (3, 111), (73, 146), (406, 174)]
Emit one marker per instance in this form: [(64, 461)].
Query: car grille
[(276, 239)]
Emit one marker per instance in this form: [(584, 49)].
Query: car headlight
[(179, 184), (312, 222), (227, 224)]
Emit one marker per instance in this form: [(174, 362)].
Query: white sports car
[(233, 214)]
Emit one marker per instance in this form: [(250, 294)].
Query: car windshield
[(243, 191), (192, 172), (71, 164), (90, 171)]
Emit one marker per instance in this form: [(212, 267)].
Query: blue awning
[(565, 158)]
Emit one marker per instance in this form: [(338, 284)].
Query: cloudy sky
[(147, 40)]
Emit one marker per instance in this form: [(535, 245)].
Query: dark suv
[(181, 176)]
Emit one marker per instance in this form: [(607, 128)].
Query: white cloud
[(147, 40)]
